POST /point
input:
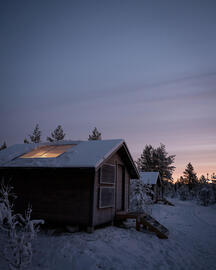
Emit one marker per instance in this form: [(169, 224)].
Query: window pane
[(48, 151), (107, 174), (106, 197)]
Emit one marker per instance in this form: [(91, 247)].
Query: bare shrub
[(17, 231)]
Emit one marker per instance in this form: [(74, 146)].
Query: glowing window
[(48, 151)]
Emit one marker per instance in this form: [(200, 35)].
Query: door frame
[(123, 204)]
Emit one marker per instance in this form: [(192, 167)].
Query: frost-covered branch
[(140, 197), (17, 231)]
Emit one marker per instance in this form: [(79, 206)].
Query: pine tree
[(26, 141), (57, 135), (190, 176), (36, 135), (202, 180), (3, 146), (182, 180), (146, 162), (96, 135), (156, 160)]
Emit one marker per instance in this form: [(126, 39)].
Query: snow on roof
[(149, 177), (83, 154)]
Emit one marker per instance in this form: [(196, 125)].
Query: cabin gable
[(119, 187)]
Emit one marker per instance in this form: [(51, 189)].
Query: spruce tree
[(190, 176), (57, 135), (36, 135), (156, 160), (182, 180), (145, 162), (3, 146), (96, 135), (26, 141), (202, 180)]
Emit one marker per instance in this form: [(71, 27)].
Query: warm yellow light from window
[(48, 151)]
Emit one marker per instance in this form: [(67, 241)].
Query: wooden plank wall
[(56, 195)]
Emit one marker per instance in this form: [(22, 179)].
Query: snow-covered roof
[(81, 154), (149, 177)]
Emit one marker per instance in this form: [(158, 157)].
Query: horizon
[(137, 70)]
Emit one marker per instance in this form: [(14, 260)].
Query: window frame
[(101, 175), (100, 192), (46, 150)]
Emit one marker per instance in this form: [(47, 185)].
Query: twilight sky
[(144, 71)]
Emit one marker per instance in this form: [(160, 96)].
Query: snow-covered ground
[(191, 244)]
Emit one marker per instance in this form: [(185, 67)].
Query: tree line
[(57, 135), (151, 160), (189, 186)]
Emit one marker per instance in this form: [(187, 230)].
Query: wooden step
[(147, 221), (155, 226), (165, 201)]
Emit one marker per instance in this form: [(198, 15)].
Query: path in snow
[(192, 232), (191, 244)]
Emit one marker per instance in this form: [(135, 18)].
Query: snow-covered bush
[(206, 195), (193, 193), (140, 197), (183, 192), (17, 231)]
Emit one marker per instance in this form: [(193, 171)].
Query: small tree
[(19, 231), (3, 146), (183, 192), (182, 180), (140, 197), (204, 196), (190, 176), (96, 135), (36, 135), (202, 180), (57, 135), (26, 141)]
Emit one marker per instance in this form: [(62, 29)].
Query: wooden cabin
[(154, 180), (70, 182)]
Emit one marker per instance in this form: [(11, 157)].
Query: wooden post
[(138, 222)]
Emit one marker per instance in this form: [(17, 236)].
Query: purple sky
[(144, 71)]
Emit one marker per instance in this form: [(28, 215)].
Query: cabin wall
[(105, 215), (159, 192), (56, 195), (155, 189)]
